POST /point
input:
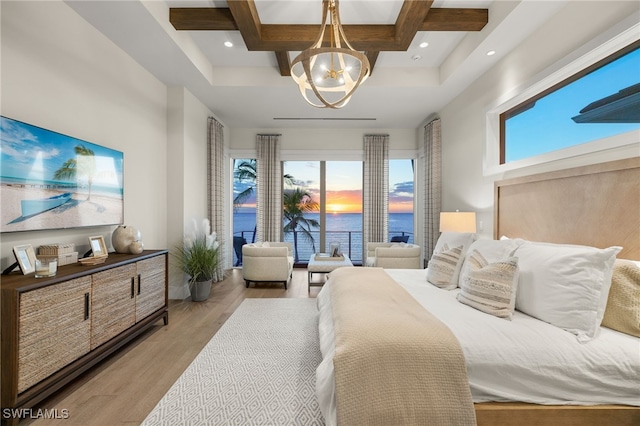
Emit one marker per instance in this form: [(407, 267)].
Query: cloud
[(22, 146), (401, 192)]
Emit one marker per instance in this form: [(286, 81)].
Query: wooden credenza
[(54, 329)]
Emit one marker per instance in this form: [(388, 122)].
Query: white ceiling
[(245, 90)]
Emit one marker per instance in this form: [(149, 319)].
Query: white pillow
[(455, 239), (565, 285)]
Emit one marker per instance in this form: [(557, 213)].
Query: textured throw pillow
[(454, 239), (623, 306), (489, 287), (444, 266), (565, 285), (491, 250)]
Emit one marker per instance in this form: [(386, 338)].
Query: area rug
[(258, 369)]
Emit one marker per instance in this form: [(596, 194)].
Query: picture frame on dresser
[(26, 257), (98, 246)]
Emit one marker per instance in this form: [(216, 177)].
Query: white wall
[(61, 74), (187, 173), (576, 28), (329, 140)]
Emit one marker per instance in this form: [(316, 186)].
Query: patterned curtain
[(215, 185), (432, 186), (269, 188), (375, 226)]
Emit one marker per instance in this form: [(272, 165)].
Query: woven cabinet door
[(151, 286), (113, 303), (54, 329)]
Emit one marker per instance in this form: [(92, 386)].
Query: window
[(335, 187), (401, 199), (597, 103), (244, 205)]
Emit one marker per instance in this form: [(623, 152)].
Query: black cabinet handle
[(133, 287), (139, 279), (86, 306)]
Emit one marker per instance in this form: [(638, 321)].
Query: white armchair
[(267, 262), (393, 255)]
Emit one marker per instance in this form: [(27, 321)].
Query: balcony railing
[(350, 244)]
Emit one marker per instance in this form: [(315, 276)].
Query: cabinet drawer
[(151, 286), (113, 302), (52, 329)]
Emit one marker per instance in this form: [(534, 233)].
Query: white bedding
[(524, 360)]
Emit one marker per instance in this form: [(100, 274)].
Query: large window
[(336, 187), (599, 102), (322, 204)]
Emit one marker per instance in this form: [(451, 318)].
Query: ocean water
[(72, 186), (345, 228)]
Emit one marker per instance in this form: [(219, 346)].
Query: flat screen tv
[(52, 181)]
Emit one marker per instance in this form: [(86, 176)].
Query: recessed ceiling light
[(491, 53), (416, 57), (228, 44), (424, 44)]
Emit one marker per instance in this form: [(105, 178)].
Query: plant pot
[(200, 290)]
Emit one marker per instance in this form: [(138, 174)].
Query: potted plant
[(199, 257)]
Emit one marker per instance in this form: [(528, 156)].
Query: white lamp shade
[(457, 222)]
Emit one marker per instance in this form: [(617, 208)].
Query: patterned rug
[(258, 369)]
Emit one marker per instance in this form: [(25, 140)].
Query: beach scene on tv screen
[(52, 181)]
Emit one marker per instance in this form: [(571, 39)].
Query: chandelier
[(330, 75)]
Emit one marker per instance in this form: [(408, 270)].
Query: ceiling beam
[(246, 17), (455, 19), (202, 18), (242, 15), (277, 37), (372, 56), (284, 63), (411, 16)]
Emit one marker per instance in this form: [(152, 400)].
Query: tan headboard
[(596, 205)]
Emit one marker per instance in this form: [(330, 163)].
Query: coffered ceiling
[(248, 85)]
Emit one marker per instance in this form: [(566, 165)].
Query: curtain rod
[(216, 120)]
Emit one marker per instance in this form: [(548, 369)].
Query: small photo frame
[(335, 250), (26, 258), (98, 246)]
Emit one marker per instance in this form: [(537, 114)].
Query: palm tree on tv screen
[(83, 165)]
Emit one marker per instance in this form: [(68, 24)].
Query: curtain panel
[(215, 185), (432, 186), (375, 217), (269, 188)]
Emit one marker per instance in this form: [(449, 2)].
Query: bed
[(581, 378)]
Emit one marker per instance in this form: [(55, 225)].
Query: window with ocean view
[(323, 205)]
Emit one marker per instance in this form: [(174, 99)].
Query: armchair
[(393, 255), (267, 262)]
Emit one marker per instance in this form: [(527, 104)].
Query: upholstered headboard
[(597, 205)]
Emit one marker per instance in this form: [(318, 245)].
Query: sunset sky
[(344, 184)]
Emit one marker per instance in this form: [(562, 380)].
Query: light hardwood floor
[(123, 389)]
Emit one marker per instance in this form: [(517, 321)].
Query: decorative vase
[(200, 290), (122, 238), (136, 247)]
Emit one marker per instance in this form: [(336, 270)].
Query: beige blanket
[(395, 363)]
